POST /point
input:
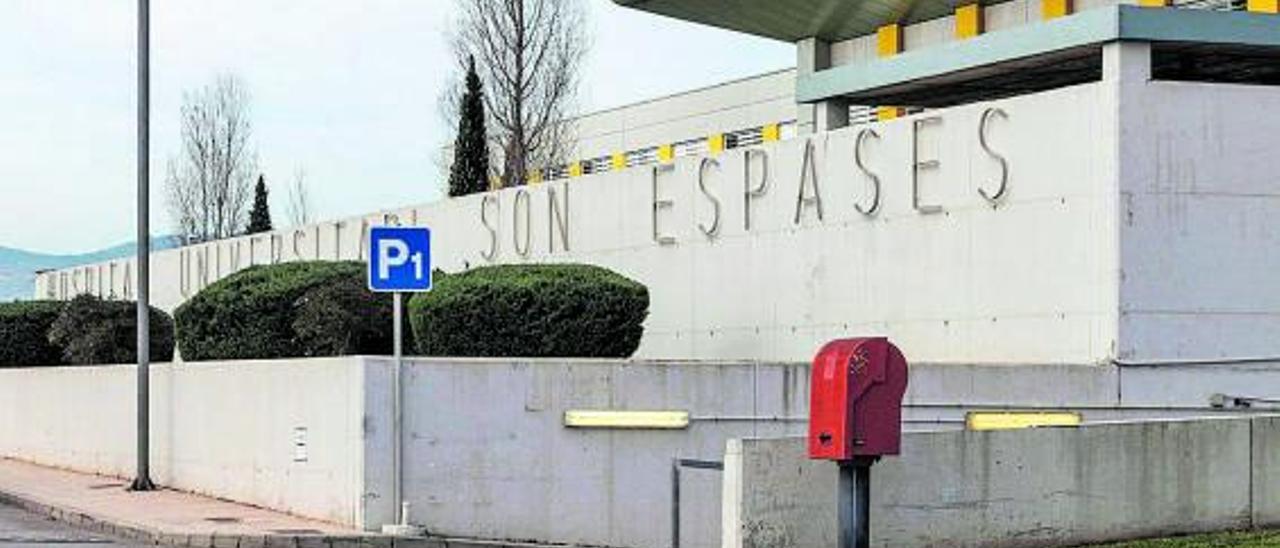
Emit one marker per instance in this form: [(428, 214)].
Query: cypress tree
[(470, 171), (260, 215)]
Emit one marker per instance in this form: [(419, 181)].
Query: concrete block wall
[(1020, 488), (286, 435)]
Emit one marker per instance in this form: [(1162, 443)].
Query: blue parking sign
[(399, 258)]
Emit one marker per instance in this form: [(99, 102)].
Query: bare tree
[(529, 54), (299, 199), (210, 182)]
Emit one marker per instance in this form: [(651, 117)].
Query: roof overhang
[(795, 20), (1016, 50)]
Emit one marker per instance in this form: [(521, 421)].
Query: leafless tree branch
[(529, 55), (210, 182)]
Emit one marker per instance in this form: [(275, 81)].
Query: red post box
[(855, 399), (855, 417)]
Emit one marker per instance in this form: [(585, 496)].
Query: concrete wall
[(1200, 197), (740, 104), (943, 284), (488, 454), (1040, 487), (223, 429)]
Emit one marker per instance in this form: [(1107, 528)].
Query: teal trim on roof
[(1095, 26)]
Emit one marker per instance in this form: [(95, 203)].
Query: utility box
[(855, 399)]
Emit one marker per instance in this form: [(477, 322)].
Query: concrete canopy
[(794, 20)]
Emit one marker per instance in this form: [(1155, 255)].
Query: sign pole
[(142, 482), (398, 419), (854, 503), (399, 261)]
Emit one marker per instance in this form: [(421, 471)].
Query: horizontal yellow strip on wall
[(575, 169), (888, 113), (662, 420), (1010, 420), (619, 160)]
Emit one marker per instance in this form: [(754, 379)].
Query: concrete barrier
[(1039, 487), (286, 435), (487, 454)]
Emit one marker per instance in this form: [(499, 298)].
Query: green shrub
[(287, 310), (24, 334), (567, 310), (91, 331)]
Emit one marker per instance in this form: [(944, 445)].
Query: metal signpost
[(399, 262)]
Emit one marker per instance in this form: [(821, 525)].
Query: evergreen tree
[(470, 171), (260, 215)]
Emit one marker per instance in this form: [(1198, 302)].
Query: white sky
[(346, 90)]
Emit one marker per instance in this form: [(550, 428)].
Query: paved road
[(20, 529)]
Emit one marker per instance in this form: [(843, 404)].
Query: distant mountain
[(18, 268)]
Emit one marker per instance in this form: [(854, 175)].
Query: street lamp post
[(142, 482)]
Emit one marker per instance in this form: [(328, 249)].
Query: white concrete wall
[(1030, 281), (487, 454), (1200, 199), (222, 429), (1023, 488), (741, 104)]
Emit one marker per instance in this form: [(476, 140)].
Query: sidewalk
[(168, 517)]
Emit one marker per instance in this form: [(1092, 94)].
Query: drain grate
[(99, 486)]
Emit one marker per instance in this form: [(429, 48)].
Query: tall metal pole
[(142, 482)]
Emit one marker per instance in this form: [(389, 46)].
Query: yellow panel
[(619, 160), (889, 40), (1010, 420), (575, 169), (495, 182), (968, 21), (626, 419), (1264, 6), (888, 113), (535, 177), (1153, 3), (1052, 9), (770, 133), (715, 143), (666, 153)]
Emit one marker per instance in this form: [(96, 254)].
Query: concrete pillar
[(812, 55), (1126, 62)]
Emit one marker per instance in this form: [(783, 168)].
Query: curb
[(149, 535)]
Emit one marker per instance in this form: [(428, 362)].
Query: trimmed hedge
[(288, 310), (563, 310), (91, 331), (24, 334)]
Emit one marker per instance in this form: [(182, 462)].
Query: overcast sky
[(346, 90)]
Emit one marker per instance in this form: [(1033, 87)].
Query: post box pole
[(855, 503)]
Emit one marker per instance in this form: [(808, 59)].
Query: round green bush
[(91, 331), (24, 334), (562, 310), (287, 310)]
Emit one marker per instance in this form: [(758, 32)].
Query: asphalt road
[(19, 528)]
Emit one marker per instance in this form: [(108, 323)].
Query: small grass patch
[(1263, 539)]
